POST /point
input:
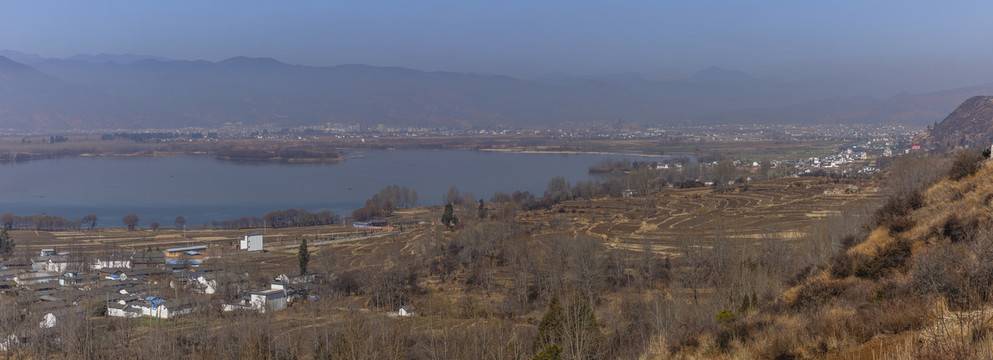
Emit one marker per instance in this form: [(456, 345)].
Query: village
[(168, 284)]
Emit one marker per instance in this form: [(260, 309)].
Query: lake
[(203, 189)]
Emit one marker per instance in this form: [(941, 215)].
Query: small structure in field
[(372, 224), (187, 253), (252, 242)]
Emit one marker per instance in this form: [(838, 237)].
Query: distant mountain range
[(141, 91)]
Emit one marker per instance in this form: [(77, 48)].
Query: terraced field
[(783, 209)]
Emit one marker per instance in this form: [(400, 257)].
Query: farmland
[(494, 275)]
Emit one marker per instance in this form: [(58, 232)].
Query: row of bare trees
[(44, 222)]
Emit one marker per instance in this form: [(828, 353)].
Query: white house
[(155, 307), (251, 242), (205, 285), (117, 260), (35, 278), (259, 300), (48, 321), (268, 300), (122, 309), (51, 263)]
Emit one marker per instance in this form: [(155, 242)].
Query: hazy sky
[(926, 41)]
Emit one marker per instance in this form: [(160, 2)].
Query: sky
[(925, 44)]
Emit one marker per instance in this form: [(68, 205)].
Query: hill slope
[(970, 124), (916, 283)]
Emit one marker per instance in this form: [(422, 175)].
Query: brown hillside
[(970, 124), (917, 284)]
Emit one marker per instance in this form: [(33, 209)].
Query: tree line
[(385, 202), (281, 219), (275, 219), (43, 222)]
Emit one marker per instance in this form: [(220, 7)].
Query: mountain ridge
[(266, 91)]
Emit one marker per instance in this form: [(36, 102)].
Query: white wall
[(252, 242)]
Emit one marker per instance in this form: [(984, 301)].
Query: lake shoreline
[(160, 186)]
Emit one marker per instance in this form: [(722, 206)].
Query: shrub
[(841, 265), (725, 317), (848, 241), (891, 257), (96, 308), (346, 284), (551, 352), (955, 229), (896, 207), (966, 163), (817, 292), (901, 224)]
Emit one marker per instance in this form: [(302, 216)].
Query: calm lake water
[(203, 189)]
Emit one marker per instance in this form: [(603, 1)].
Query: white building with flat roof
[(259, 300), (251, 242)]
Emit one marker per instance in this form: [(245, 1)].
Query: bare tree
[(8, 221), (581, 335), (130, 221), (764, 167), (695, 270), (522, 261), (724, 175), (453, 196), (586, 265), (90, 221), (558, 189), (644, 180)]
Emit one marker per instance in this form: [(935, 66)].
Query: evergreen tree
[(448, 218), (550, 327), (304, 257), (6, 245), (745, 305), (551, 352), (482, 210)]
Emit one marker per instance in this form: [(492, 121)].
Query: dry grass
[(878, 239)]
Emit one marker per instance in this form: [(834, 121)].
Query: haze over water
[(203, 189)]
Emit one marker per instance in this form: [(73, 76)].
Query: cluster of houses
[(158, 284), (845, 157)]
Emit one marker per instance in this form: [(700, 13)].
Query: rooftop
[(188, 248)]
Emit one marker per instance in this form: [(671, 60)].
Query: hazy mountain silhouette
[(21, 57), (131, 91), (720, 77), (115, 58), (907, 109), (31, 100)]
